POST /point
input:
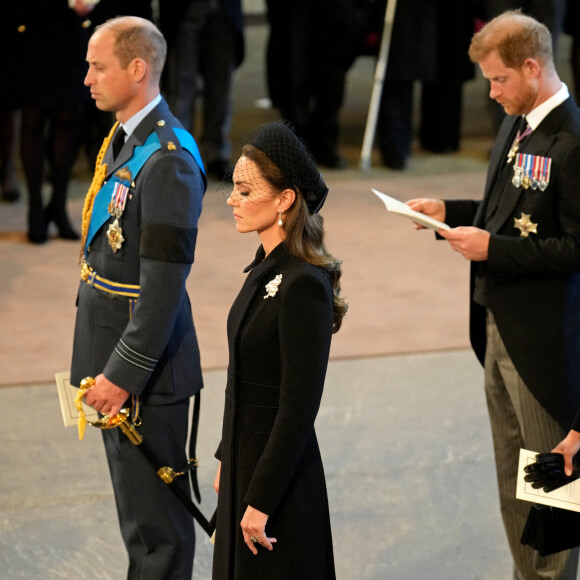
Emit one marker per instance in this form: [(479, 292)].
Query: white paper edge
[(398, 207)]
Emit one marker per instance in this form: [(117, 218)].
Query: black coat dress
[(278, 347)]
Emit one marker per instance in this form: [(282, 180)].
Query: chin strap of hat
[(165, 473)]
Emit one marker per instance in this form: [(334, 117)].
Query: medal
[(536, 172), (123, 181), (525, 225), (517, 178), (518, 170), (516, 144), (545, 173), (115, 236)]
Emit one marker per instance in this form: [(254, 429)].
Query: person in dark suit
[(134, 330), (205, 41), (308, 56), (271, 480), (430, 50), (523, 241)]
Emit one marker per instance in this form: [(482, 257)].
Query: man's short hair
[(137, 38), (516, 37)]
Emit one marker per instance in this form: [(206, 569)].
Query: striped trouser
[(519, 421)]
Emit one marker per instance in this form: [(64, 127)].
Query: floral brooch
[(272, 286)]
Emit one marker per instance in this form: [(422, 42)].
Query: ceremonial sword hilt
[(105, 422), (121, 420)]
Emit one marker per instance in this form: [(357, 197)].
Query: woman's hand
[(216, 481), (253, 526)]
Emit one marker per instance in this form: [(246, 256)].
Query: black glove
[(548, 471)]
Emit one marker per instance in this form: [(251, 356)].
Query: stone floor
[(407, 454)]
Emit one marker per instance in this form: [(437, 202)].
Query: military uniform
[(134, 324)]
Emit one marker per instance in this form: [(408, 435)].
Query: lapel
[(503, 142), (261, 269)]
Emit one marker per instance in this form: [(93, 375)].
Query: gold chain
[(96, 184)]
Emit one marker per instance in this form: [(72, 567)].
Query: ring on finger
[(254, 538)]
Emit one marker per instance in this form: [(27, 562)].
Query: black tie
[(118, 142)]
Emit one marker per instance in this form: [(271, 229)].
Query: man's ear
[(138, 69), (532, 67), (286, 199)]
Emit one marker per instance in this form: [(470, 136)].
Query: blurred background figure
[(429, 45), (548, 12), (308, 54), (572, 27), (205, 42), (9, 123), (9, 115), (49, 87)]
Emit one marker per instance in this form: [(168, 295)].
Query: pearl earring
[(280, 222)]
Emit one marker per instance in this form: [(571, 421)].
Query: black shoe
[(219, 169), (65, 230), (37, 227), (11, 195), (440, 149), (394, 161)]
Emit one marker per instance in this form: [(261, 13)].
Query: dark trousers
[(204, 49), (307, 61), (157, 529)]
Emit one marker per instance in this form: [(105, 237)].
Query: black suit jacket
[(533, 283), (153, 351)]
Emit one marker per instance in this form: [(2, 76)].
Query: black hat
[(284, 148)]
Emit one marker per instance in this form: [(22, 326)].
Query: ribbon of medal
[(531, 171), (545, 173), (516, 144)]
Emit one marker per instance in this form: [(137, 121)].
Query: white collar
[(537, 115)]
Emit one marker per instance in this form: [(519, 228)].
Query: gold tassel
[(82, 420), (96, 184)]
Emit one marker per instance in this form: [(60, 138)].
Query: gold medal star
[(115, 236), (525, 225)]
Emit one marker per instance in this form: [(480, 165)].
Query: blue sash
[(141, 153)]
